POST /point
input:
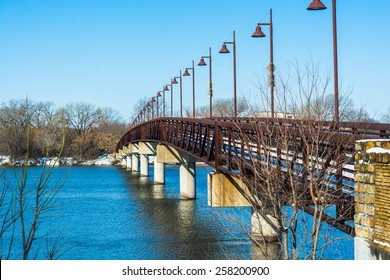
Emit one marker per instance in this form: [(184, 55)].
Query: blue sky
[(112, 53)]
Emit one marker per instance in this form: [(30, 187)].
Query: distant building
[(280, 115)]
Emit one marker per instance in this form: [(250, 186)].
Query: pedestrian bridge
[(259, 162)]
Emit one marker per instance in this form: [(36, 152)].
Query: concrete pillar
[(123, 161), (128, 161), (223, 191), (187, 180), (159, 172), (372, 200), (167, 154), (144, 165), (262, 230), (266, 251), (135, 163)]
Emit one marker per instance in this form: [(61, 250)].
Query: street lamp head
[(316, 5), (186, 73), (174, 82), (258, 33), (153, 100), (202, 62), (224, 49), (158, 94), (166, 88)]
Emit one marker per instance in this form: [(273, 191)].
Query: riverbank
[(102, 160)]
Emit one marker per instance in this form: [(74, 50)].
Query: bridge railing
[(294, 152), (350, 131)]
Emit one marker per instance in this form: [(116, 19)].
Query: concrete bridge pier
[(119, 157), (159, 172), (145, 149), (188, 180), (124, 156), (165, 154), (263, 227), (144, 165), (228, 191), (128, 161), (135, 162), (123, 161), (133, 151)]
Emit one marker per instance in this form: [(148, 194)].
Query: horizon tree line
[(89, 130)]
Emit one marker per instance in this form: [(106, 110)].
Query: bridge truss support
[(145, 149), (165, 154), (121, 157), (123, 162), (262, 229), (223, 191), (129, 157), (128, 161), (227, 191)]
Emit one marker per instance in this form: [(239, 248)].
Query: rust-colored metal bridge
[(286, 161)]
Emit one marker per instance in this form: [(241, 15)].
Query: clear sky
[(111, 53)]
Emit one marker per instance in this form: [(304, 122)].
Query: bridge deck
[(289, 158)]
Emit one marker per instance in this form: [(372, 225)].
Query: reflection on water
[(182, 229), (111, 213)]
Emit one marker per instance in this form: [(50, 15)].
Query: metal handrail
[(244, 146)]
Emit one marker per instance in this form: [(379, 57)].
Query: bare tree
[(13, 122), (225, 107), (8, 216), (139, 106), (108, 117), (82, 117), (14, 112), (28, 202), (386, 117), (45, 113), (187, 112), (48, 138), (203, 111), (293, 167)]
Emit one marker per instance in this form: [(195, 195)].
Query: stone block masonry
[(372, 199)]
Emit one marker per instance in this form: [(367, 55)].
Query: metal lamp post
[(157, 96), (224, 49), (165, 88), (152, 101), (147, 111), (174, 82), (203, 63), (259, 34), (144, 114), (315, 6), (186, 73)]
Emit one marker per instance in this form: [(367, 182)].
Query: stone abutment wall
[(372, 199)]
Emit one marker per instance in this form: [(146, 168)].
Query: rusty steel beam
[(227, 144)]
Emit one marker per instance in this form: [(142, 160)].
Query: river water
[(108, 213)]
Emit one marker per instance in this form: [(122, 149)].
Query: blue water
[(108, 213)]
